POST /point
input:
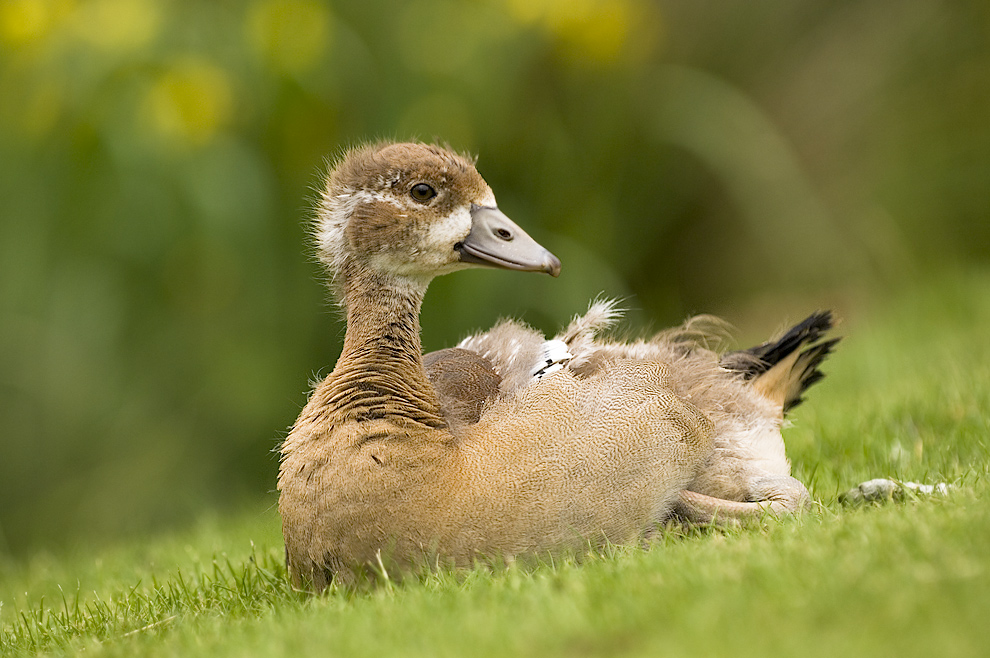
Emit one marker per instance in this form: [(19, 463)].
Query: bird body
[(744, 393), (480, 451)]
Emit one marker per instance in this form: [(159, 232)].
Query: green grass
[(908, 395)]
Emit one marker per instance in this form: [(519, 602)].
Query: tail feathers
[(805, 372), (778, 369)]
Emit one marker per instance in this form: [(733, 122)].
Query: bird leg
[(776, 495)]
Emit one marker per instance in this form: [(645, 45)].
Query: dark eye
[(422, 192)]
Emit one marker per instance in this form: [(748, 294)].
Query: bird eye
[(422, 192)]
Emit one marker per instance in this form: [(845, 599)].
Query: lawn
[(907, 396)]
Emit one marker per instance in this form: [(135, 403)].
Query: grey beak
[(496, 241)]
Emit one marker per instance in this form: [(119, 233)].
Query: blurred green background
[(160, 309)]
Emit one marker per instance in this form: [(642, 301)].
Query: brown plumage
[(744, 393), (375, 474), (465, 382)]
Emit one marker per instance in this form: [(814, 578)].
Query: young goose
[(375, 474)]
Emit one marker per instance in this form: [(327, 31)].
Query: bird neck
[(380, 373)]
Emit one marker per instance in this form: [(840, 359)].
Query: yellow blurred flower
[(118, 25), (595, 30), (291, 35), (27, 21), (190, 102)]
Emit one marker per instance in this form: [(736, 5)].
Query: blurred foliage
[(160, 313)]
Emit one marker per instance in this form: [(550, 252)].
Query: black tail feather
[(758, 360), (808, 364)]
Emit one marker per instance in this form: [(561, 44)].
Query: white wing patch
[(553, 357)]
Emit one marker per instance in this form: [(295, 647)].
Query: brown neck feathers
[(380, 374)]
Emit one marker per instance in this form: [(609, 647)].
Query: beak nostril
[(494, 240)]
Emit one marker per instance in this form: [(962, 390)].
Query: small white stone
[(880, 489)]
